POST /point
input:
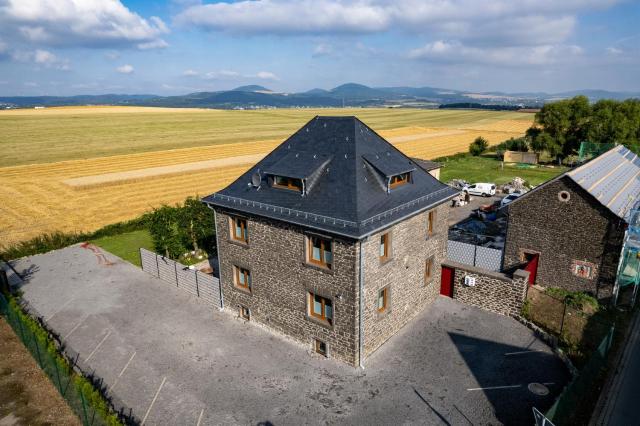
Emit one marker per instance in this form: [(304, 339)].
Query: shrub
[(85, 388), (575, 299), (57, 240), (478, 146)]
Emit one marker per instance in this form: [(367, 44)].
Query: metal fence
[(573, 326), (583, 385), (199, 284), (470, 254), (77, 391)]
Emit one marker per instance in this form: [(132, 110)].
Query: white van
[(484, 189)]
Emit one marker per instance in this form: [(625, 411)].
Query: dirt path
[(133, 175), (27, 396)]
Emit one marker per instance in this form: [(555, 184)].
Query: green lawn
[(489, 169), (126, 246)]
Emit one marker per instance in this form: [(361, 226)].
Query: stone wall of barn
[(492, 291), (281, 279), (403, 274), (566, 231)]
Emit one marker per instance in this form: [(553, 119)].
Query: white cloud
[(370, 16), (156, 44), (266, 75), (190, 73), (94, 23), (41, 57), (322, 49), (125, 69), (614, 51), (222, 75), (456, 52)]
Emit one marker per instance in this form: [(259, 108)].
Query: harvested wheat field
[(77, 169)]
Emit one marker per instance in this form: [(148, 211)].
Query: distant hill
[(349, 94), (251, 88)]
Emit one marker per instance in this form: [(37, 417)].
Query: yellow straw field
[(51, 179)]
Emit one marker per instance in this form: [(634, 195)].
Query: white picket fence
[(199, 284)]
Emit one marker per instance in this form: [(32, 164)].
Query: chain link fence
[(81, 395)]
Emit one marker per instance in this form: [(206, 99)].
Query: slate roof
[(345, 166), (612, 178), (427, 164)]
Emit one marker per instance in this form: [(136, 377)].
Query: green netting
[(78, 393), (590, 149)]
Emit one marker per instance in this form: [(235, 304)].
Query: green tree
[(163, 225), (478, 146), (196, 221), (535, 143)]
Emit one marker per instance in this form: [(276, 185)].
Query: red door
[(532, 266), (446, 283)]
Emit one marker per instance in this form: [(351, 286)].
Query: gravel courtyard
[(167, 358)]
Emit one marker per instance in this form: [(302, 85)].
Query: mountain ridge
[(348, 94)]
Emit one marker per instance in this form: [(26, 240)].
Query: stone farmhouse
[(570, 230), (334, 239)]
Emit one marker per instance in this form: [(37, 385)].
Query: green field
[(50, 135), (489, 169), (127, 245)]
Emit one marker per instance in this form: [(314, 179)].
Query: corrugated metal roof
[(613, 179)]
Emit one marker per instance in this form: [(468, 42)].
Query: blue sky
[(62, 47)]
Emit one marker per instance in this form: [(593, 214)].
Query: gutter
[(361, 310), (215, 221), (332, 231)]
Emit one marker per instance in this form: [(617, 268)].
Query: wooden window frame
[(431, 223), (289, 185), (401, 179), (244, 225), (322, 317), (317, 347), (237, 270), (245, 313), (322, 263), (385, 300), (387, 247), (429, 272)]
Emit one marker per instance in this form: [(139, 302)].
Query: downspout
[(361, 310), (215, 221)]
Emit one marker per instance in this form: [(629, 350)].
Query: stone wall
[(493, 291), (403, 274), (579, 229), (275, 255)]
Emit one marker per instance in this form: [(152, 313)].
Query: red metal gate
[(446, 282)]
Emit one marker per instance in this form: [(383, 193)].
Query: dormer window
[(284, 182), (399, 180)]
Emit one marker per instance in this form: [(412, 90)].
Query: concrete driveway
[(167, 358)]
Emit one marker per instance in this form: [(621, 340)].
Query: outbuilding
[(569, 231)]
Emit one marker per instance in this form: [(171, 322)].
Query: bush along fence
[(199, 284), (586, 332), (85, 399), (574, 319), (571, 400)]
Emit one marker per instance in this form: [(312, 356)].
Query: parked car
[(484, 189), (509, 198)]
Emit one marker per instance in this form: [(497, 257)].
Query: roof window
[(284, 182)]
